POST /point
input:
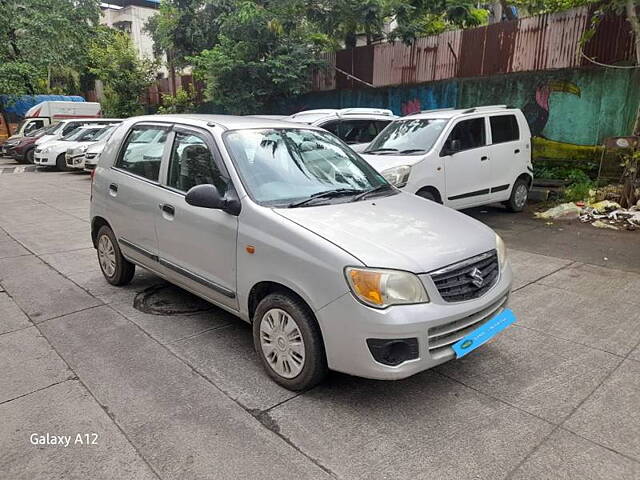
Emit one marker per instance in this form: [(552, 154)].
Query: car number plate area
[(484, 333)]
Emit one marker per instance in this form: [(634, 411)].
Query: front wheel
[(519, 195), (288, 341), (116, 269), (61, 163), (29, 155)]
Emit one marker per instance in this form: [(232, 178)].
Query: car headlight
[(397, 176), (502, 251), (91, 156), (46, 150), (380, 288)]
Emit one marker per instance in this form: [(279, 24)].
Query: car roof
[(448, 113), (226, 122), (311, 116)]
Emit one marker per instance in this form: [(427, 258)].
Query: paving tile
[(611, 416), (40, 291), (566, 456), (11, 317), (64, 409), (54, 236), (604, 324), (183, 425), (529, 267), (226, 356), (598, 283), (94, 282), (28, 364), (423, 427), (77, 261), (543, 375), (635, 354), (168, 328), (10, 248)]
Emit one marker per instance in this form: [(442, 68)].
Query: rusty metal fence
[(542, 42)]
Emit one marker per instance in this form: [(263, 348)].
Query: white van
[(460, 158), (47, 113)]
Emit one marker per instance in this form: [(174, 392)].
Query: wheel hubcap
[(281, 342), (107, 256), (521, 195)]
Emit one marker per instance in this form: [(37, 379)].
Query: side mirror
[(208, 196)]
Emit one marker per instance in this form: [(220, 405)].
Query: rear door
[(198, 244), (135, 193), (508, 153), (467, 163)]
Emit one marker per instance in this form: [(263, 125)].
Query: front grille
[(441, 338), (467, 279)]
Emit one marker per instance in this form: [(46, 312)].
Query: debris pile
[(604, 214)]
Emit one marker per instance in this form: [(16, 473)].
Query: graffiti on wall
[(570, 111)]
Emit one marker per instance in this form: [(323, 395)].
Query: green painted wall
[(584, 105)]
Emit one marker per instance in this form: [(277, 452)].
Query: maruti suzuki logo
[(476, 277)]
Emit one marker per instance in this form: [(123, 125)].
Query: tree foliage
[(114, 61), (257, 60), (44, 43)]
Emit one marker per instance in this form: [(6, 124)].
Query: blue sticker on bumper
[(481, 335)]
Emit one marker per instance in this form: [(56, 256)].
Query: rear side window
[(192, 164), (142, 152), (466, 135), (504, 128)]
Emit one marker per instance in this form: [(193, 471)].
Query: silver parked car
[(289, 229)]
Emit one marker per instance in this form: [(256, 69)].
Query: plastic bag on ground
[(564, 211)]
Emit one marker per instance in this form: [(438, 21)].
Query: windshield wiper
[(413, 150), (377, 150), (338, 192), (366, 193)]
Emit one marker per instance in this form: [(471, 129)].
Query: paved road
[(181, 396)]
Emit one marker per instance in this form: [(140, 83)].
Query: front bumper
[(346, 325), (75, 161), (44, 159)]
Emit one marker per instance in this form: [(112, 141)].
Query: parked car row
[(331, 257)]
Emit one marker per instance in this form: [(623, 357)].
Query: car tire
[(28, 156), (519, 194), (288, 342), (116, 269), (428, 194), (61, 163)]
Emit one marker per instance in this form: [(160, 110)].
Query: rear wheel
[(519, 194), (288, 341), (61, 163), (116, 269)]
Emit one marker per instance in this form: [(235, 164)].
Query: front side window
[(504, 128), (192, 164), (466, 135), (280, 167), (141, 153), (406, 137)]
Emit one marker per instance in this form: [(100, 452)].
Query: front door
[(134, 191), (467, 164), (198, 244)]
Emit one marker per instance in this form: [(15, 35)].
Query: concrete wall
[(570, 110)]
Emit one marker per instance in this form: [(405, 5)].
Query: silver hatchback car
[(286, 227)]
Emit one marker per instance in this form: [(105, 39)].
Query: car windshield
[(51, 129), (286, 167), (37, 133), (407, 137), (104, 133), (83, 134)]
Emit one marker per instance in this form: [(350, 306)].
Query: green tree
[(43, 44), (114, 61), (256, 61)]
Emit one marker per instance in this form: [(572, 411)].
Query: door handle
[(168, 209), (483, 158), (517, 150), (113, 189)]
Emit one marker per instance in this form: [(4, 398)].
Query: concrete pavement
[(182, 396)]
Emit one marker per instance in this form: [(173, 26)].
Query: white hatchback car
[(460, 158), (354, 126), (287, 228)]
